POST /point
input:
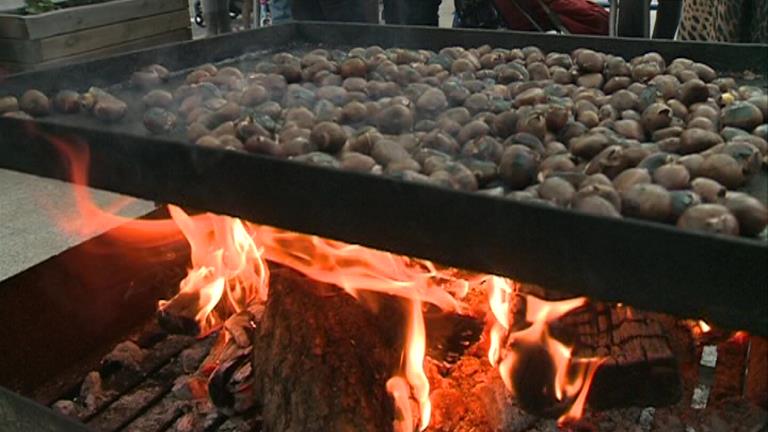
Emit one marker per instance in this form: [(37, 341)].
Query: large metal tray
[(648, 265)]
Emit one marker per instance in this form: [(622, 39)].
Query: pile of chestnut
[(666, 142)]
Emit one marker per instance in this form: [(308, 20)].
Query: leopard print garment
[(724, 20)]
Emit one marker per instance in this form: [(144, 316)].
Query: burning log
[(639, 367), (322, 359)]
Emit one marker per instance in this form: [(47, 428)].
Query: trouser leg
[(343, 10), (667, 19), (307, 10), (631, 18), (281, 10), (216, 13), (423, 12)]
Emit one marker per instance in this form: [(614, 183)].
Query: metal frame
[(645, 264)]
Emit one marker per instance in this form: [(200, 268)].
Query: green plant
[(39, 6)]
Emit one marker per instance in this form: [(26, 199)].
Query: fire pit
[(280, 330)]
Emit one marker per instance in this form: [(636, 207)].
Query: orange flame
[(572, 378), (500, 292), (705, 328), (226, 265), (413, 367), (229, 271)]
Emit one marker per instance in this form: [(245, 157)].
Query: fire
[(500, 295), (571, 378), (229, 271), (705, 328), (413, 366)]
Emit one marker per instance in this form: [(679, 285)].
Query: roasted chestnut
[(35, 103), (68, 101), (711, 218)]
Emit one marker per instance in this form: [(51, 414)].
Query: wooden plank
[(27, 51), (160, 39), (36, 51), (82, 17), (100, 37)]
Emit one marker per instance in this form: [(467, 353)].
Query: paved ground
[(30, 209)]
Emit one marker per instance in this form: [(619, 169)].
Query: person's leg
[(281, 10), (307, 10), (667, 19), (631, 18), (343, 10), (423, 12), (216, 13)]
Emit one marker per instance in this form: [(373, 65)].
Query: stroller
[(563, 16)]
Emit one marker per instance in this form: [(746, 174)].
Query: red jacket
[(578, 16)]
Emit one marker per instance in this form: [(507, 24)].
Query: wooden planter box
[(83, 32)]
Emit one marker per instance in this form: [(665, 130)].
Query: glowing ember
[(740, 337)]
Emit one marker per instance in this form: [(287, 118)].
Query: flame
[(500, 295), (572, 378), (397, 386), (705, 328), (413, 371), (229, 271), (740, 337), (226, 265)]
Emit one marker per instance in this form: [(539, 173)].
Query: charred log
[(322, 359), (640, 368)]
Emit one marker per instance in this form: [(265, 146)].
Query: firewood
[(322, 359), (640, 368)]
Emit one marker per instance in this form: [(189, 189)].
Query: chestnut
[(158, 98), (693, 91), (159, 121), (682, 200), (695, 140), (647, 201), (353, 161), (724, 169), (518, 166), (262, 145), (742, 115), (394, 119), (328, 137), (656, 116), (751, 213), (35, 103), (68, 101), (604, 191), (595, 205), (672, 176), (589, 61), (710, 218), (631, 177), (8, 104), (557, 190)]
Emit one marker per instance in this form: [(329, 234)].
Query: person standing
[(667, 18), (412, 12), (330, 10), (281, 11)]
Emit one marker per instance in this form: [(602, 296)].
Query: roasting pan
[(648, 265)]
